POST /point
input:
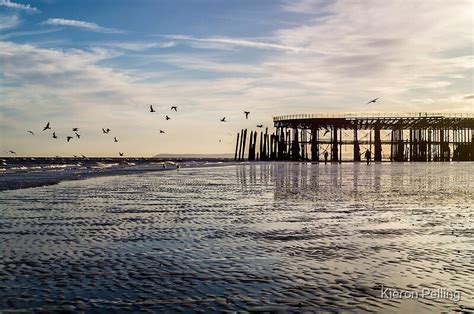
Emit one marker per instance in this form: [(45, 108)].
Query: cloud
[(139, 46), (236, 42), (8, 21), (19, 6), (469, 96), (80, 24)]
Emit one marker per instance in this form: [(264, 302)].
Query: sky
[(100, 64)]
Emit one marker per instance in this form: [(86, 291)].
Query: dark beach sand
[(275, 237)]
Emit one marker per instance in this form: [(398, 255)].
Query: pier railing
[(375, 115)]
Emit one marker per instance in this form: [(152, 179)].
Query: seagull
[(54, 135), (12, 152), (46, 127), (151, 109), (115, 139), (69, 138), (31, 132), (175, 108), (247, 114), (105, 131), (78, 135), (75, 129), (167, 118), (120, 154), (372, 101), (161, 131), (259, 125), (223, 119)]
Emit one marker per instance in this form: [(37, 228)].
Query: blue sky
[(94, 64)]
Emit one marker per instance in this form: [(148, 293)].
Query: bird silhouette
[(372, 101), (161, 131), (78, 135), (247, 114), (106, 131), (259, 125), (115, 139), (75, 129), (120, 154), (151, 109), (167, 118), (46, 127), (175, 108), (54, 135), (223, 119), (31, 132), (12, 152), (69, 138)]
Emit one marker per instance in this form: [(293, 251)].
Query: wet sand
[(258, 237)]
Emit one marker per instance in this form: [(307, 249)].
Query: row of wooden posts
[(267, 147)]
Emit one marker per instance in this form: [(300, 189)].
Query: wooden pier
[(421, 137)]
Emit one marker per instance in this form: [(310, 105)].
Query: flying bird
[(167, 118), (115, 139), (259, 125), (151, 109), (54, 135), (75, 129), (46, 127), (372, 101), (223, 119), (31, 132), (106, 131), (78, 135), (120, 154), (69, 138), (175, 108), (247, 114), (12, 152), (161, 131)]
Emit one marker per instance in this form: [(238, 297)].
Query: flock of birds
[(107, 130), (152, 110)]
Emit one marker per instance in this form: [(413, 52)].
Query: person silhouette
[(326, 157), (368, 154)]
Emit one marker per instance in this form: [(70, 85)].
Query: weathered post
[(236, 146)]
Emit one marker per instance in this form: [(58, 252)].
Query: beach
[(277, 236)]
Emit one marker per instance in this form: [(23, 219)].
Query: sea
[(180, 236)]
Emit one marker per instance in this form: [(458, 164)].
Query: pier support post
[(356, 145), (314, 145), (378, 145), (295, 147), (335, 150)]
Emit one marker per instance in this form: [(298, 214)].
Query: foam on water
[(258, 237)]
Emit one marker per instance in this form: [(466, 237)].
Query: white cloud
[(19, 6), (236, 42), (139, 46), (80, 24), (8, 21)]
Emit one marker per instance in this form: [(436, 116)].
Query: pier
[(398, 137)]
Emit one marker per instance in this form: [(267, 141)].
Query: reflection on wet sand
[(255, 237)]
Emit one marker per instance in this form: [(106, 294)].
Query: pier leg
[(314, 145), (378, 145), (334, 151), (356, 145)]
